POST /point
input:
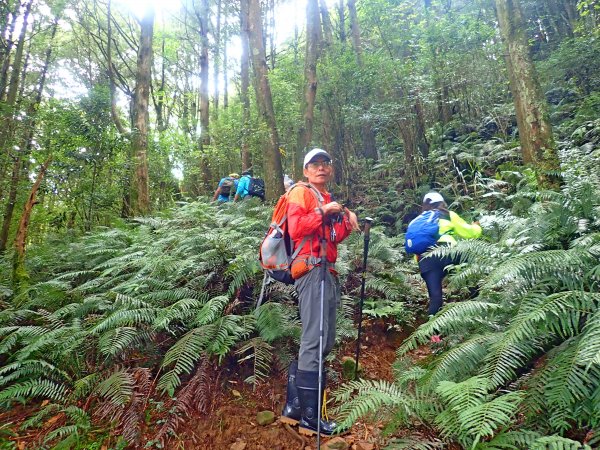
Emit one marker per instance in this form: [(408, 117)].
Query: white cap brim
[(313, 154), (433, 197)]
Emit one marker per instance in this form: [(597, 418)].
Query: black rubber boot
[(307, 384), (291, 410)]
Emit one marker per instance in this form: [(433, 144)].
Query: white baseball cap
[(433, 197), (313, 154)]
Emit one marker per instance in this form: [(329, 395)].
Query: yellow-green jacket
[(455, 226)]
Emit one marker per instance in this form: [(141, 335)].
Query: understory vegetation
[(518, 366), (123, 324), (125, 315), (126, 294)]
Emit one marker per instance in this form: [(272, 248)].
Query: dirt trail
[(232, 424)]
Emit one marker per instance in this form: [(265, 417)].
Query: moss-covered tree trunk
[(139, 141), (7, 122), (369, 148), (535, 131), (272, 157), (19, 167), (313, 43), (244, 88), (19, 275), (204, 100)]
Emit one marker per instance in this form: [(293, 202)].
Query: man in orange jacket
[(312, 217)]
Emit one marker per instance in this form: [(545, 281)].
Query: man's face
[(319, 170)]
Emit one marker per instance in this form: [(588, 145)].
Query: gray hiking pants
[(309, 302)]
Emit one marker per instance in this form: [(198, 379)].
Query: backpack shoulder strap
[(318, 196)]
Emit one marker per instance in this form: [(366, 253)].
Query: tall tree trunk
[(342, 21), (8, 33), (139, 141), (204, 100), (159, 98), (11, 202), (19, 164), (535, 131), (313, 42), (272, 159), (7, 123), (327, 27), (271, 33), (114, 113), (245, 85), (216, 56), (225, 61), (20, 276), (369, 148), (355, 32)]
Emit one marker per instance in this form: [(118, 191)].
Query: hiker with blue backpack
[(436, 226), (249, 186), (226, 187)]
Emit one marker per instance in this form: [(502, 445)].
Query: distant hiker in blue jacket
[(227, 186), (249, 187), (243, 186), (449, 227)]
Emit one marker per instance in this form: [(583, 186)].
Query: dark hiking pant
[(433, 272), (309, 302)]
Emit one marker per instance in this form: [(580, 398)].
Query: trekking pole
[(367, 230), (321, 318)]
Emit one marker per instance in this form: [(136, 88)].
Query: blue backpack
[(422, 233)]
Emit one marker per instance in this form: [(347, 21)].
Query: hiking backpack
[(226, 186), (277, 249), (256, 187), (423, 232)]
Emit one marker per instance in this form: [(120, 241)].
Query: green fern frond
[(390, 289), (49, 340), (560, 313), (461, 360), (415, 443), (34, 388), (36, 420), (557, 443), (520, 273), (276, 320), (506, 357), (261, 354), (466, 394), (483, 420), (211, 310), (182, 310), (126, 318), (242, 269), (453, 318), (29, 368), (589, 353), (83, 387), (184, 354), (117, 388), (563, 385), (225, 333), (512, 440), (170, 295), (117, 340), (372, 396)]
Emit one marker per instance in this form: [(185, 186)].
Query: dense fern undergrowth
[(519, 362), (119, 330), (128, 318)]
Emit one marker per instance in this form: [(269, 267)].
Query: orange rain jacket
[(304, 219)]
